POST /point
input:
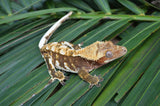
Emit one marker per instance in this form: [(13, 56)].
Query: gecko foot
[(100, 78), (62, 81), (58, 76), (95, 81), (97, 85)]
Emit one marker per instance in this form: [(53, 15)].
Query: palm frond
[(130, 80)]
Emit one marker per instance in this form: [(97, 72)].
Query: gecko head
[(107, 51), (102, 52)]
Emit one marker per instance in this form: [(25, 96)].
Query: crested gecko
[(73, 58)]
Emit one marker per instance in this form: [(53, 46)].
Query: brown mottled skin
[(76, 59), (72, 58)]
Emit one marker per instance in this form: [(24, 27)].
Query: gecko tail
[(48, 34)]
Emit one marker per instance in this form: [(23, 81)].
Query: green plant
[(131, 80)]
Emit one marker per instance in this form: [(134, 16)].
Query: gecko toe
[(100, 78), (66, 77), (50, 81), (91, 85), (98, 85), (62, 82)]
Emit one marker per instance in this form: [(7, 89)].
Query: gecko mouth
[(107, 61)]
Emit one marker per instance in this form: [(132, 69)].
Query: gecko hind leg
[(53, 73), (57, 75), (92, 80)]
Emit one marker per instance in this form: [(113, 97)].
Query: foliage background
[(130, 80)]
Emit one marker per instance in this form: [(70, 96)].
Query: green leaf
[(102, 31), (32, 81), (143, 34), (11, 65), (128, 4), (23, 29), (80, 4), (153, 4), (43, 97), (146, 90), (34, 14), (118, 16), (72, 32), (6, 6), (24, 5), (146, 54), (23, 73), (38, 98), (131, 32), (103, 5)]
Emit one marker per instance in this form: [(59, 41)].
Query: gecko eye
[(109, 54)]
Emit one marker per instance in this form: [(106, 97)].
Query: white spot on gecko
[(54, 42), (53, 48), (47, 48), (68, 44), (50, 61), (57, 63), (62, 52), (66, 66)]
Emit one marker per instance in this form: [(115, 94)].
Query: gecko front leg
[(92, 80), (52, 71)]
